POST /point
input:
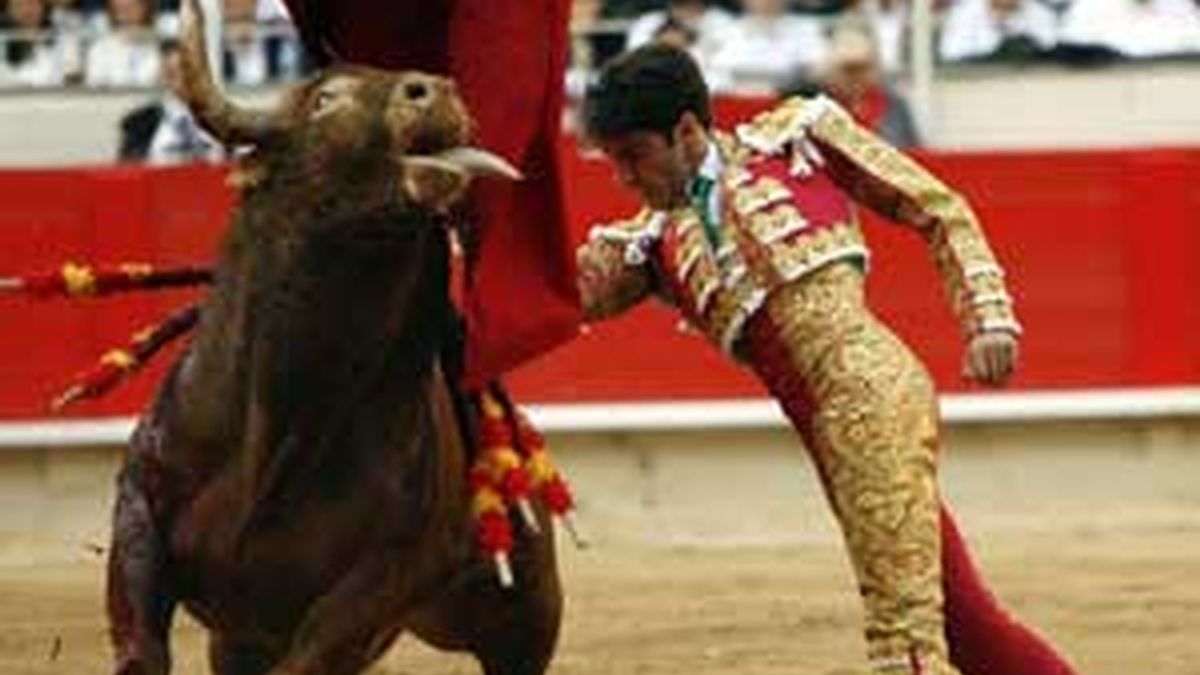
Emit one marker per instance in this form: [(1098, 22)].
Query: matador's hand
[(991, 358)]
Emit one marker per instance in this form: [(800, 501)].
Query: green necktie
[(701, 190)]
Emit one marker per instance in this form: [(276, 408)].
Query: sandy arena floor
[(1120, 602), (1115, 582)]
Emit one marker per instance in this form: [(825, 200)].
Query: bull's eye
[(322, 101)]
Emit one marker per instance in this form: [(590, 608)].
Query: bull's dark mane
[(341, 320)]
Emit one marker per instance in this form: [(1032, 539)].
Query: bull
[(299, 483)]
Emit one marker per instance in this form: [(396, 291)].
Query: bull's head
[(388, 133)]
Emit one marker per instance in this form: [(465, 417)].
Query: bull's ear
[(433, 183)]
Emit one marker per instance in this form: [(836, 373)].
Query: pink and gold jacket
[(785, 194)]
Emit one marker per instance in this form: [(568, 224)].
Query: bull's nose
[(421, 90), (417, 92)]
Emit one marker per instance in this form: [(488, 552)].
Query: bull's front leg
[(141, 600), (353, 624)]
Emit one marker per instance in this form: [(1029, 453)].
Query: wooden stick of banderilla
[(74, 280), (118, 364)]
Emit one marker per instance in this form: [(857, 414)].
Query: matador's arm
[(892, 184), (614, 267)]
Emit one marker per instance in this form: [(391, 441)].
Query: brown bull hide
[(299, 483)]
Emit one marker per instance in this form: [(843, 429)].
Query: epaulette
[(645, 222), (638, 234), (783, 131)]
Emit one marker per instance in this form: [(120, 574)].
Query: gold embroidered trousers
[(866, 409)]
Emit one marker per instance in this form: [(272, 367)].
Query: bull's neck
[(320, 327)]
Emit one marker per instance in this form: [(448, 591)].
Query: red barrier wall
[(1102, 250)]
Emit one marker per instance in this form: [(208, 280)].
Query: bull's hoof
[(141, 665)]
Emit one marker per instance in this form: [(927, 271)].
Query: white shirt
[(122, 59), (1135, 29), (43, 68), (179, 139), (249, 58), (971, 30), (712, 31), (889, 24), (762, 55), (711, 168), (271, 10)]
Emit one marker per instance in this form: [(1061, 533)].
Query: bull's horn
[(227, 121), (480, 162)]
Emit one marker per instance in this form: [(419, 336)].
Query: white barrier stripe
[(1077, 405), (66, 433), (1116, 404)]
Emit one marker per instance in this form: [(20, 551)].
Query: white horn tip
[(480, 161)]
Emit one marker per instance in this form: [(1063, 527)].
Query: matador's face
[(651, 164)]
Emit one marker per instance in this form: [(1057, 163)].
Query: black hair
[(647, 89), (675, 25)]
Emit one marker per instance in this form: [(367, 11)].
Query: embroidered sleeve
[(614, 267), (894, 185)]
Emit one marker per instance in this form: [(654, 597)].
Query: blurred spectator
[(822, 7), (710, 25), (164, 132), (245, 60), (272, 11), (127, 55), (766, 48), (260, 46), (997, 29), (853, 76), (676, 34), (69, 23), (590, 48), (29, 57), (1134, 28), (65, 14), (888, 20), (629, 9)]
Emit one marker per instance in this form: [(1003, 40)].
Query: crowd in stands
[(120, 43), (853, 49), (752, 46), (749, 45), (849, 49)]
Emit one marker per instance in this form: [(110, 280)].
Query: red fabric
[(508, 59), (984, 639), (1100, 248), (870, 110)]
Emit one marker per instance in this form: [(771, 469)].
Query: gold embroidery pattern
[(775, 225), (723, 295), (608, 282), (793, 260), (957, 240), (759, 195), (772, 131), (694, 264), (874, 436)]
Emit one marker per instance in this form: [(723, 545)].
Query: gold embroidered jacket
[(785, 192)]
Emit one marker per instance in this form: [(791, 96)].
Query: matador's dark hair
[(647, 89)]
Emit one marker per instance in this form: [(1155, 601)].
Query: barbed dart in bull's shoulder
[(77, 280), (119, 364)]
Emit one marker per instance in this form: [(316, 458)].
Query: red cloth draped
[(508, 59)]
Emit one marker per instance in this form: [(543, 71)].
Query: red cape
[(508, 57)]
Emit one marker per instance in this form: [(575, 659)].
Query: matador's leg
[(866, 409), (867, 412)]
